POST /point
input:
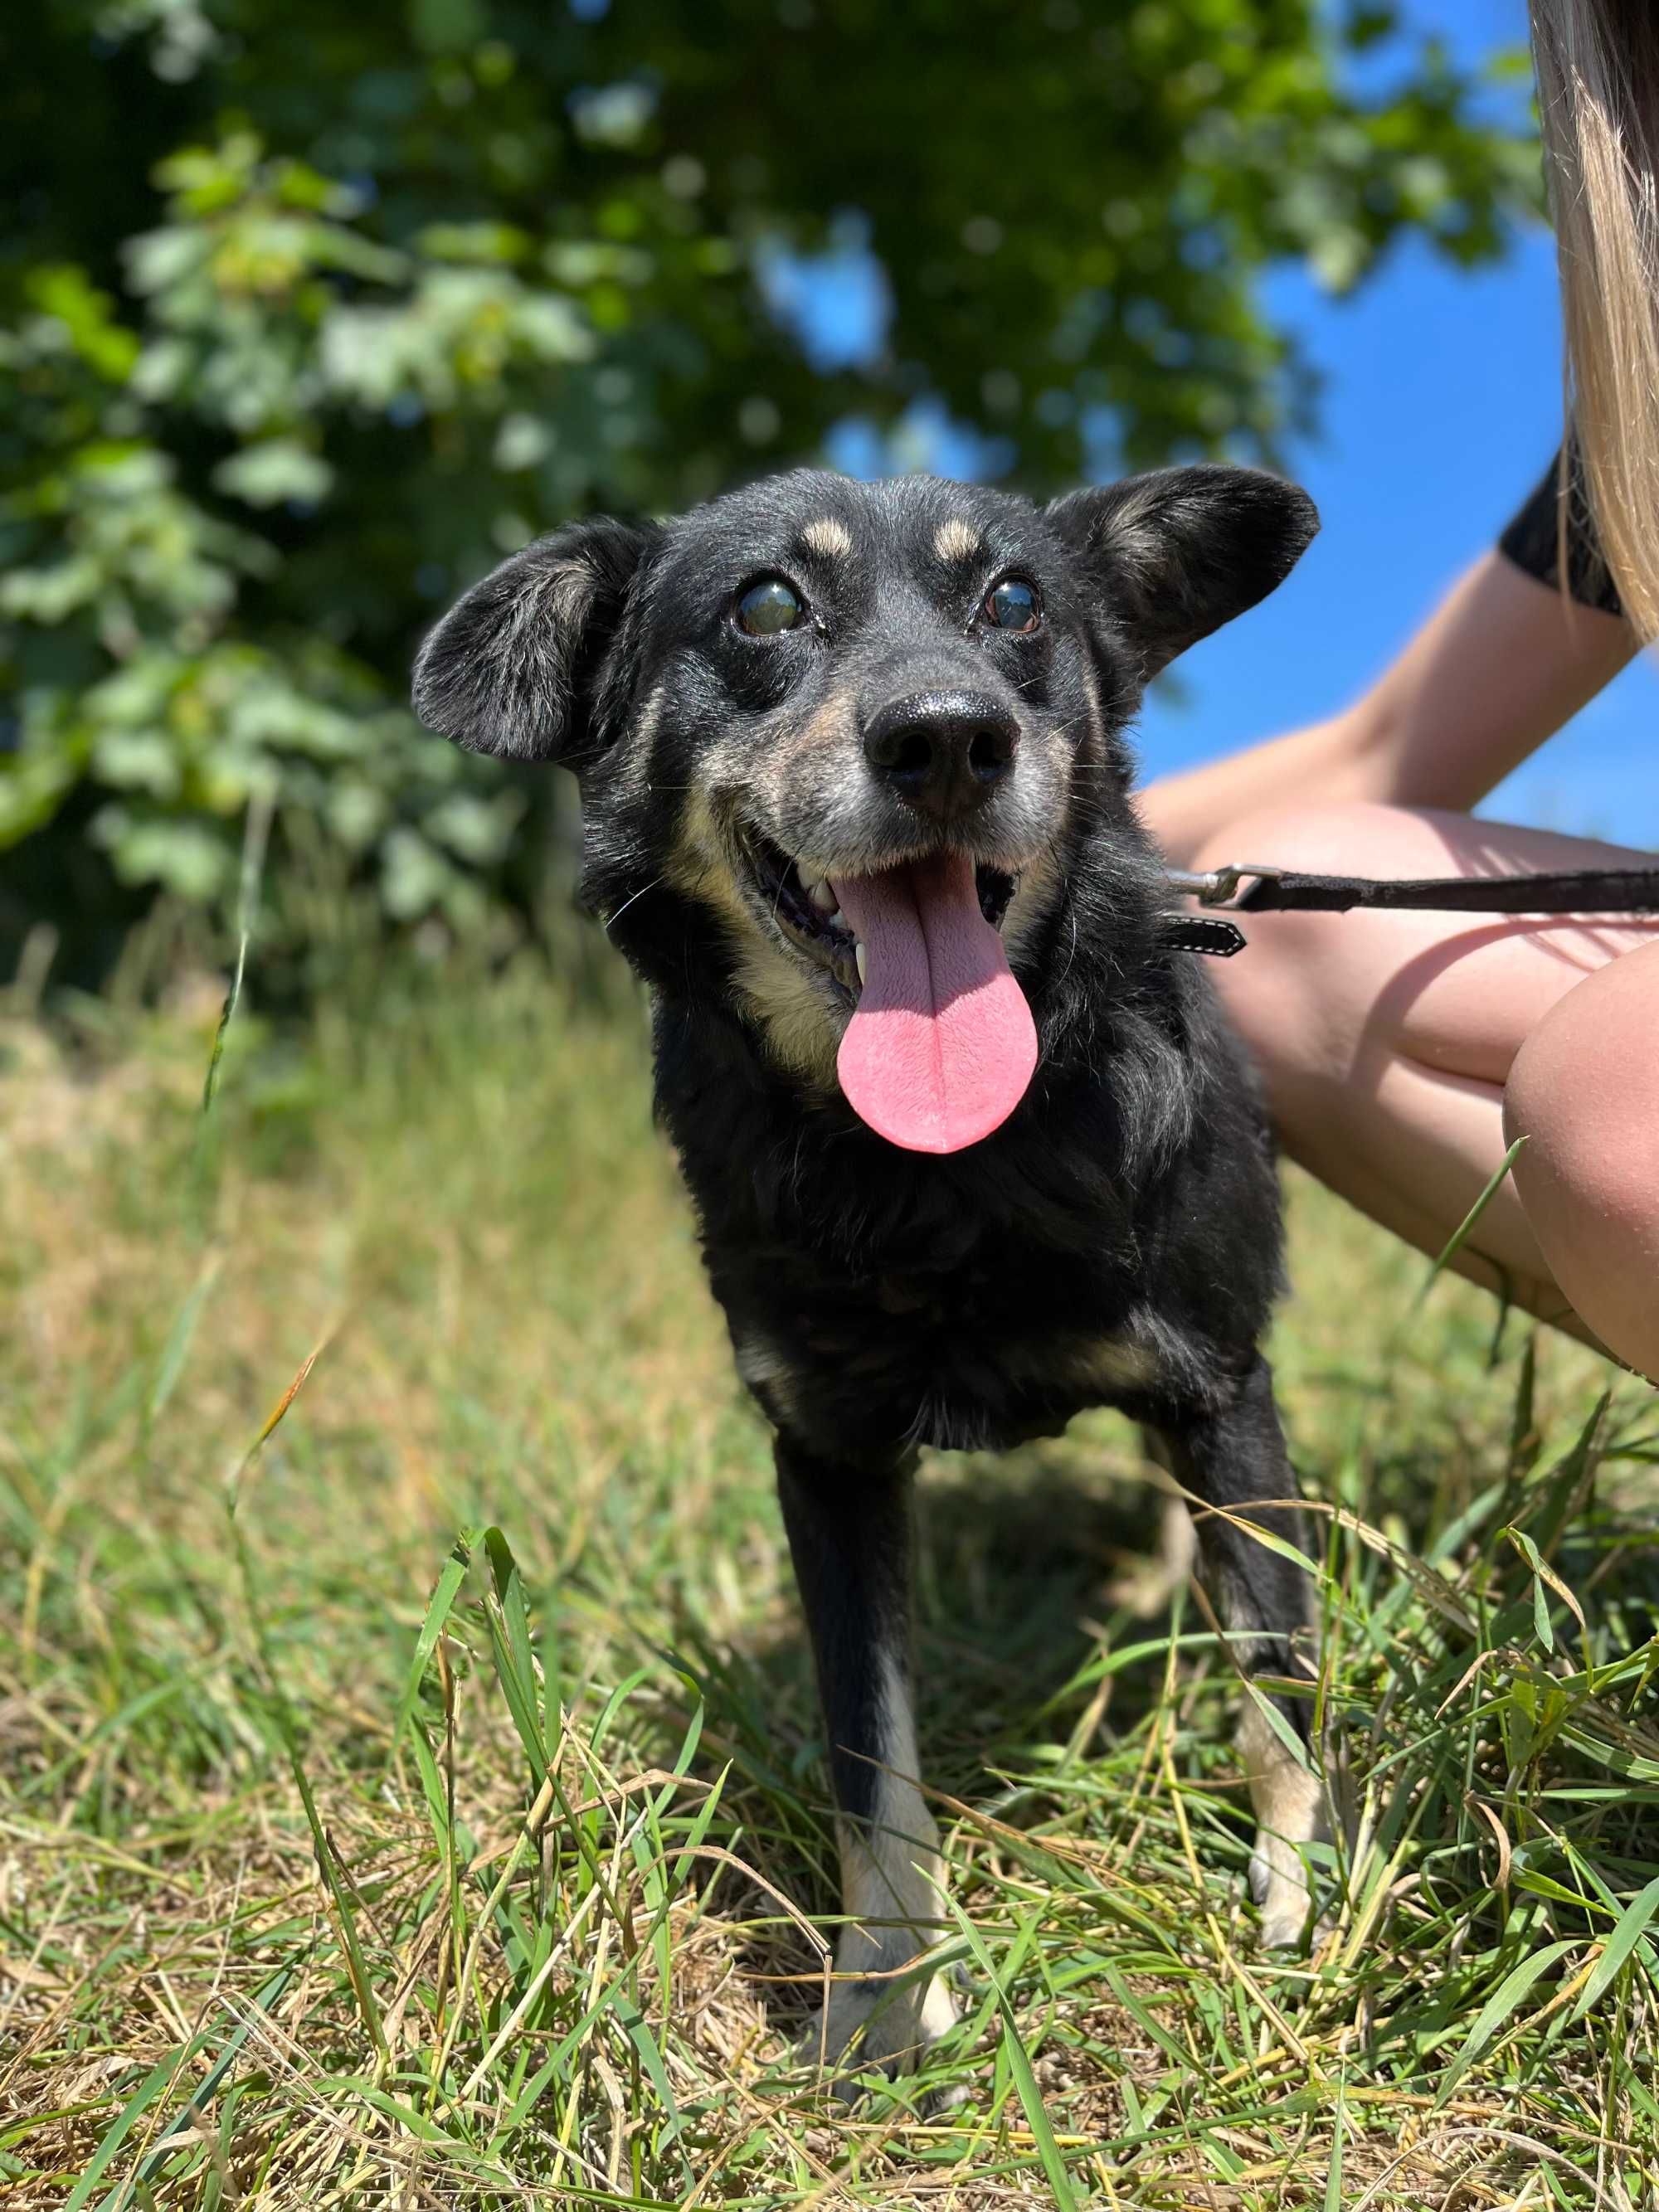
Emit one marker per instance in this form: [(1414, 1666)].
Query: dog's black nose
[(941, 750)]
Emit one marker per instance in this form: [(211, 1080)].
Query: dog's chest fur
[(877, 1297)]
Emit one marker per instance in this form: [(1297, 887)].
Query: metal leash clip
[(1219, 887)]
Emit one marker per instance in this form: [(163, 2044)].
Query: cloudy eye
[(1012, 605), (768, 607)]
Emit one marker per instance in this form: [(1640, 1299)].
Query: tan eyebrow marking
[(957, 539), (828, 536)]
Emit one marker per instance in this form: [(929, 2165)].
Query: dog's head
[(861, 729)]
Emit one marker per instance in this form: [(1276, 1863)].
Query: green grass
[(427, 1806)]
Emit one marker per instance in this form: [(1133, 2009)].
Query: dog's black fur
[(1116, 1241)]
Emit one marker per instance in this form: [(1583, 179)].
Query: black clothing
[(1533, 540)]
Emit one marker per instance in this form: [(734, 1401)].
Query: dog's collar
[(1195, 933)]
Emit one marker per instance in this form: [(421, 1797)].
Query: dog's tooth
[(859, 957), (822, 897)]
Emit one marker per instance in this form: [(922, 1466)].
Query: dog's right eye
[(768, 607)]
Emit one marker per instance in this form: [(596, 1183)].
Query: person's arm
[(1501, 664)]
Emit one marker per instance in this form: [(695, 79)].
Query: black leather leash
[(1241, 889)]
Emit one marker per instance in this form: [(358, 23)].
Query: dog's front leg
[(1233, 1461), (850, 1535)]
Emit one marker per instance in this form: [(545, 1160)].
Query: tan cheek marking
[(695, 864), (779, 991), (828, 536), (830, 724), (957, 540), (1039, 880), (799, 1025), (698, 868)]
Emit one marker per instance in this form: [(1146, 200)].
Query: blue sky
[(1441, 405)]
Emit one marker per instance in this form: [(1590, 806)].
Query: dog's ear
[(512, 668), (1178, 552)]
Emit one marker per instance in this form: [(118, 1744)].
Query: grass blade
[(1627, 1933), (438, 1611), (255, 835), (150, 2165), (1503, 2001), (176, 1350), (154, 2083), (1019, 2067), (1460, 1236)]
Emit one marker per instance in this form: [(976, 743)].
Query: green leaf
[(273, 471)]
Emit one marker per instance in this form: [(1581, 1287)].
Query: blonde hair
[(1597, 62)]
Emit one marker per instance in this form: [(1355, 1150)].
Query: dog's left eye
[(768, 607), (1012, 605)]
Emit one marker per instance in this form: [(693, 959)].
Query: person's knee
[(1584, 1102), (1584, 1084)]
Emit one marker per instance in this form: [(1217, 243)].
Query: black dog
[(839, 745)]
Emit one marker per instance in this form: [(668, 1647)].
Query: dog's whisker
[(612, 919)]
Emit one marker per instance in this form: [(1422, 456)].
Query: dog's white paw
[(1279, 1883), (877, 2025), (1290, 1812)]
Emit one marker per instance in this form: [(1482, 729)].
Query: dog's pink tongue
[(943, 1045)]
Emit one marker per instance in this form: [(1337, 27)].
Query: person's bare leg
[(1386, 1042), (1584, 1092)]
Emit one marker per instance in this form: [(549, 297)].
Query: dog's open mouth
[(807, 908), (941, 1046)]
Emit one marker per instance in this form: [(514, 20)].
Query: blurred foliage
[(308, 313)]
